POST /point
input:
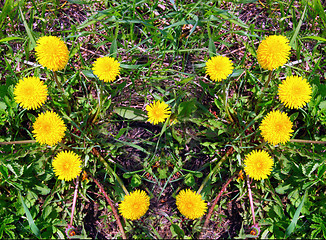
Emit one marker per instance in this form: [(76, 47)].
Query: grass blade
[(211, 48), (293, 223), (30, 220), (28, 30), (297, 29)]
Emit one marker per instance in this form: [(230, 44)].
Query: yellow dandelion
[(294, 92), (276, 127), (52, 53), (106, 68), (157, 112), (134, 205), (30, 92), (67, 165), (258, 164), (191, 204), (219, 68), (273, 52), (49, 128)]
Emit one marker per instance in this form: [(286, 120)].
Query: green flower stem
[(262, 90), (251, 201), (212, 173), (268, 80), (17, 142), (261, 145), (100, 104), (112, 207), (107, 166), (226, 103), (63, 91), (74, 202), (64, 146), (307, 141)]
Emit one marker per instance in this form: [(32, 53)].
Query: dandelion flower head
[(276, 127), (52, 53), (30, 92), (157, 112), (49, 128), (273, 52), (134, 205), (219, 68), (191, 204), (258, 164), (294, 92), (106, 68), (67, 165)]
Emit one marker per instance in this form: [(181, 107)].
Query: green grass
[(162, 48)]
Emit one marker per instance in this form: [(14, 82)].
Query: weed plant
[(162, 48)]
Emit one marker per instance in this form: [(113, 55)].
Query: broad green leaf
[(198, 174), (113, 49), (211, 48), (282, 188), (177, 231), (43, 189), (126, 66), (189, 180), (322, 105), (127, 175), (130, 113), (162, 173), (135, 181), (89, 73), (4, 171), (185, 109), (121, 132)]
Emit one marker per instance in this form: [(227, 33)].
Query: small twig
[(112, 207), (216, 200), (251, 202), (307, 141), (17, 142), (74, 202)]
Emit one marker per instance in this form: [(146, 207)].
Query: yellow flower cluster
[(136, 204), (49, 128)]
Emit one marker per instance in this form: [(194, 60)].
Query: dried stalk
[(112, 207), (216, 200), (74, 202)]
